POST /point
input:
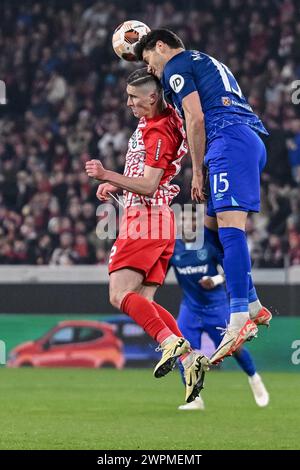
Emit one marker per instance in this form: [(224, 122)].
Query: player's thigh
[(210, 221), (234, 160), (124, 280), (229, 218)]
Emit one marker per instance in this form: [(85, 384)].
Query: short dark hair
[(142, 76), (148, 41)]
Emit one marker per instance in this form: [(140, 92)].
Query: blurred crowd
[(66, 102)]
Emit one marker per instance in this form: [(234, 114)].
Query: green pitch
[(109, 409)]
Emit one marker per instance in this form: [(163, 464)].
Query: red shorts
[(146, 242)]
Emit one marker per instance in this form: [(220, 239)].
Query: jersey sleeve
[(180, 79), (160, 148)]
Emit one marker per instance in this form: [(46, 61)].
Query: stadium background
[(66, 102)]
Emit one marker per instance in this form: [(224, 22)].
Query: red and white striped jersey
[(158, 142)]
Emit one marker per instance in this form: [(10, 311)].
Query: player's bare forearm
[(139, 185), (195, 129), (145, 185), (196, 141)]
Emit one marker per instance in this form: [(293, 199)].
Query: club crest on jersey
[(136, 141), (176, 82), (226, 101), (202, 254)]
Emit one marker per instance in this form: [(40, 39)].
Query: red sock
[(145, 314), (168, 319)]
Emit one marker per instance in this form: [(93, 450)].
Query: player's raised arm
[(195, 129)]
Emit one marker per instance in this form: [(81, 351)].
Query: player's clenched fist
[(103, 191), (95, 169), (207, 283)]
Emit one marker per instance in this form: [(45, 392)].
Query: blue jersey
[(190, 266), (222, 101)]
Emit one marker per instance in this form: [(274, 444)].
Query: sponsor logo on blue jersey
[(190, 266), (176, 82), (187, 270)]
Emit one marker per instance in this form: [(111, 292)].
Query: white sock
[(254, 377), (168, 340), (238, 319), (254, 308)]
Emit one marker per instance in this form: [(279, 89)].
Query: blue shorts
[(193, 324), (235, 158)]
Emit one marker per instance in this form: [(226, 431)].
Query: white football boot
[(197, 404), (260, 393)]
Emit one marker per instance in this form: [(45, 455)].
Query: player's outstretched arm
[(145, 185), (195, 129)]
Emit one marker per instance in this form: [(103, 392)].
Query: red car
[(78, 343)]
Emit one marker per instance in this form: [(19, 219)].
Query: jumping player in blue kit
[(223, 136), (204, 306)]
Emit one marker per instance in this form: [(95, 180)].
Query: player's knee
[(148, 291), (115, 298), (149, 297)]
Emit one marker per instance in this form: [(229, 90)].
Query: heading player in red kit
[(139, 257)]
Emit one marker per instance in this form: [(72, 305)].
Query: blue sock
[(245, 361), (252, 296), (212, 237), (237, 267), (181, 370)]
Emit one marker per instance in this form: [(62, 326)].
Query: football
[(125, 37)]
